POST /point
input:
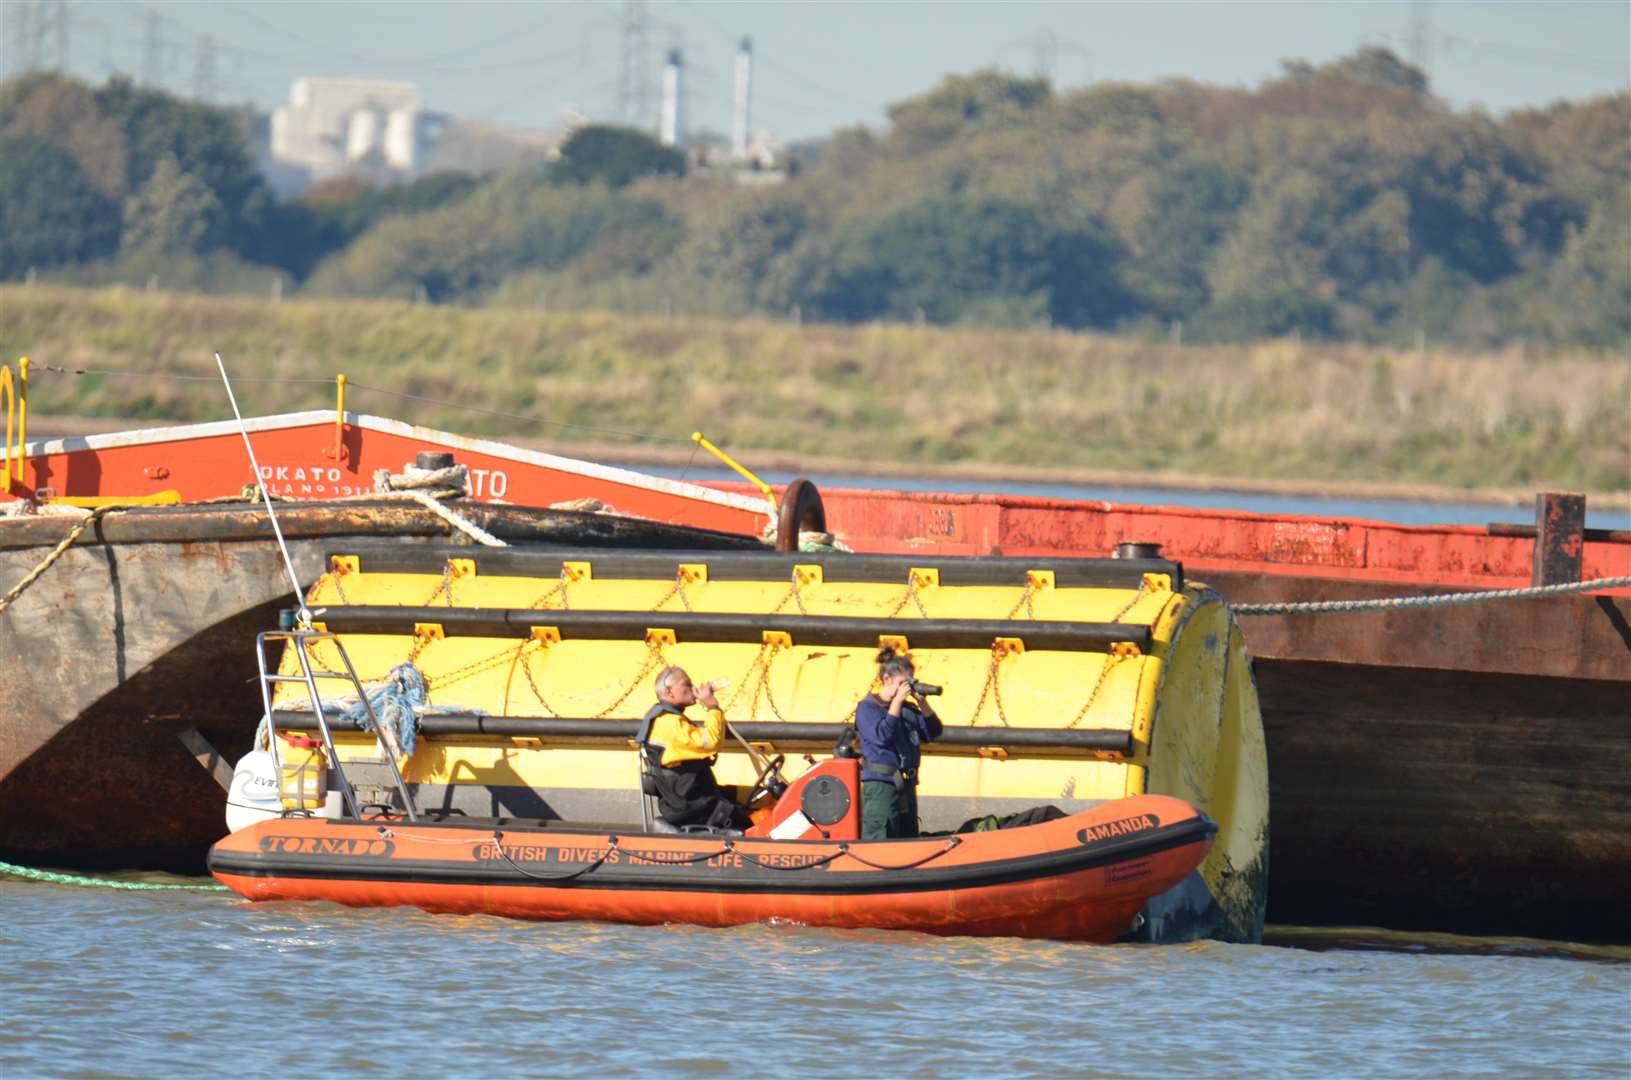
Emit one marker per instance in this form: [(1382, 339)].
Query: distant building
[(334, 126), (380, 131)]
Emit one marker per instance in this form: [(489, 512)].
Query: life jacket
[(683, 791), (653, 751)]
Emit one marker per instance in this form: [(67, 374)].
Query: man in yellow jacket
[(682, 751)]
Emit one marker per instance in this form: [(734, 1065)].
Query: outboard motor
[(254, 794), (258, 793)]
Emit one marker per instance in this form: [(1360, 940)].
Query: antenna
[(153, 58), (266, 497), (1045, 49), (204, 69), (1421, 36), (634, 83)]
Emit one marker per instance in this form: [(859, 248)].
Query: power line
[(106, 66), (1532, 54), (39, 33), (296, 36), (1421, 38), (533, 91), (204, 88), (152, 48), (634, 87)]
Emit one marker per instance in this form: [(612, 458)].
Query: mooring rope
[(102, 883), (1386, 603), (464, 525), (470, 529), (56, 553)]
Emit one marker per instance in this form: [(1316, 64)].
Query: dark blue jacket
[(889, 741)]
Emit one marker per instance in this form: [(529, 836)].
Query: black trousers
[(688, 794)]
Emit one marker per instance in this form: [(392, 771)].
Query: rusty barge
[(1464, 768)]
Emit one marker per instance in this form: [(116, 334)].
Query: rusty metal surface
[(111, 784), (800, 509), (1590, 536), (1448, 801), (1560, 540), (244, 521), (1205, 540), (1578, 636)]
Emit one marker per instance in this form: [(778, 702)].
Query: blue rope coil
[(394, 703)]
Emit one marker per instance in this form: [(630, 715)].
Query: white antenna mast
[(266, 497)]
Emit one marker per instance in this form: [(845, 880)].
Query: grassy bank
[(879, 395)]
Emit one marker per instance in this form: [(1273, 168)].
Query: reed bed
[(903, 396)]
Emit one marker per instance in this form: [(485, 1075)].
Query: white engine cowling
[(254, 795)]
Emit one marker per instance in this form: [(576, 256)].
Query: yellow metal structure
[(15, 395), (167, 497), (339, 417), (1177, 691), (741, 470)]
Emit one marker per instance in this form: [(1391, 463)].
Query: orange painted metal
[(787, 821), (1204, 540), (1081, 878), (297, 459)]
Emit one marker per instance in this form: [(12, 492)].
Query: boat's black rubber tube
[(1105, 740), (694, 626), (694, 876), (546, 563)]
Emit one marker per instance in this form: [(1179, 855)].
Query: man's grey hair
[(666, 676)]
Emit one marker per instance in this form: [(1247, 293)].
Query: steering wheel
[(769, 781)]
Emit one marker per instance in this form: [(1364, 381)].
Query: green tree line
[(1337, 201)]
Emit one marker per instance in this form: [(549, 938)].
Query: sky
[(819, 65)]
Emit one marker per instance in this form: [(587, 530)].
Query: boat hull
[(1079, 878)]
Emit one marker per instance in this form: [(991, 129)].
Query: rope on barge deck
[(56, 878), (427, 499), (1387, 603), (56, 553)]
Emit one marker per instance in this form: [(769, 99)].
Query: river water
[(98, 983)]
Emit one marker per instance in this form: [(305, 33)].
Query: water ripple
[(181, 985)]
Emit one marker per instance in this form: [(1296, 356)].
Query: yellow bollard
[(22, 416), (339, 416), (8, 396)]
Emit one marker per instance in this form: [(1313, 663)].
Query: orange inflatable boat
[(1081, 877)]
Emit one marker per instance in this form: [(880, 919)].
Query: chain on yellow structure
[(1066, 681)]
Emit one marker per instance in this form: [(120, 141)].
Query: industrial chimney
[(740, 115), (671, 122)]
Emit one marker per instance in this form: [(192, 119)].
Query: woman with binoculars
[(891, 729)]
